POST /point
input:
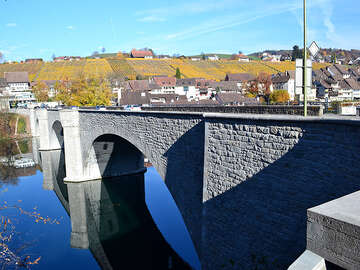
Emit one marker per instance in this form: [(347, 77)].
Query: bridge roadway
[(243, 183)]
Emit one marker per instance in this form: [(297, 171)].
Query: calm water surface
[(127, 223)]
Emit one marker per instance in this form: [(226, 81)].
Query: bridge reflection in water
[(111, 218)]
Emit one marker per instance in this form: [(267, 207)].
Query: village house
[(212, 57), (141, 54), (34, 60), (243, 58), (3, 86), (285, 81), (187, 87), (18, 88)]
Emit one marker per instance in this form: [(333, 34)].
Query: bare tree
[(1, 57)]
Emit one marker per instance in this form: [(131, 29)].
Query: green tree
[(333, 58), (296, 53), (178, 73), (203, 56)]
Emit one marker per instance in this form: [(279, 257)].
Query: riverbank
[(14, 126)]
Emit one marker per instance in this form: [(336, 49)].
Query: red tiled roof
[(140, 54), (165, 81)]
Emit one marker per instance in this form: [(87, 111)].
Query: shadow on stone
[(259, 220)]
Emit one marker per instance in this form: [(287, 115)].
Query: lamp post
[(304, 62)]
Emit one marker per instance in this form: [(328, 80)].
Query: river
[(129, 222)]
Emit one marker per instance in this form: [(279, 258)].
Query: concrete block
[(333, 231), (308, 261)]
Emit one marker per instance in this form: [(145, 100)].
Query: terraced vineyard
[(31, 68), (129, 68), (284, 66), (151, 67), (97, 68), (61, 70), (123, 68)]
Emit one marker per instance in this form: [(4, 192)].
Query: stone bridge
[(243, 183)]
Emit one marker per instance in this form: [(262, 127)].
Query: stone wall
[(257, 109), (260, 178)]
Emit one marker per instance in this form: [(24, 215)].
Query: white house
[(18, 87), (285, 81), (213, 57)]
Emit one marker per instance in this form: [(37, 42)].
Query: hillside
[(130, 68)]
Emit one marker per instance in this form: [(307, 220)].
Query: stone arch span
[(174, 143), (111, 155), (57, 135)]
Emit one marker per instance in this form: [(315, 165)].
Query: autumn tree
[(264, 83), (64, 92), (279, 96), (84, 92), (41, 91), (93, 92)]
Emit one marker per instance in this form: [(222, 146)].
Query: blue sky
[(39, 28)]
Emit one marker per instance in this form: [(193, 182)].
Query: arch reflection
[(110, 217)]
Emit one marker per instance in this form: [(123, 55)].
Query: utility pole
[(305, 63)]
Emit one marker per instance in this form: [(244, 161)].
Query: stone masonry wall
[(261, 176)]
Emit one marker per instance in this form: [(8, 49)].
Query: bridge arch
[(111, 155), (57, 135), (37, 127)]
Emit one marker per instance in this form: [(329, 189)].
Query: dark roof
[(16, 77), (226, 86), (353, 84), (280, 78), (239, 77), (233, 98), (3, 83), (185, 82), (169, 98), (341, 69), (134, 97), (138, 85)]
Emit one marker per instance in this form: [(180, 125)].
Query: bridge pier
[(50, 130), (73, 152)]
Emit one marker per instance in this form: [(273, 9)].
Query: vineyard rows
[(31, 68), (95, 68)]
